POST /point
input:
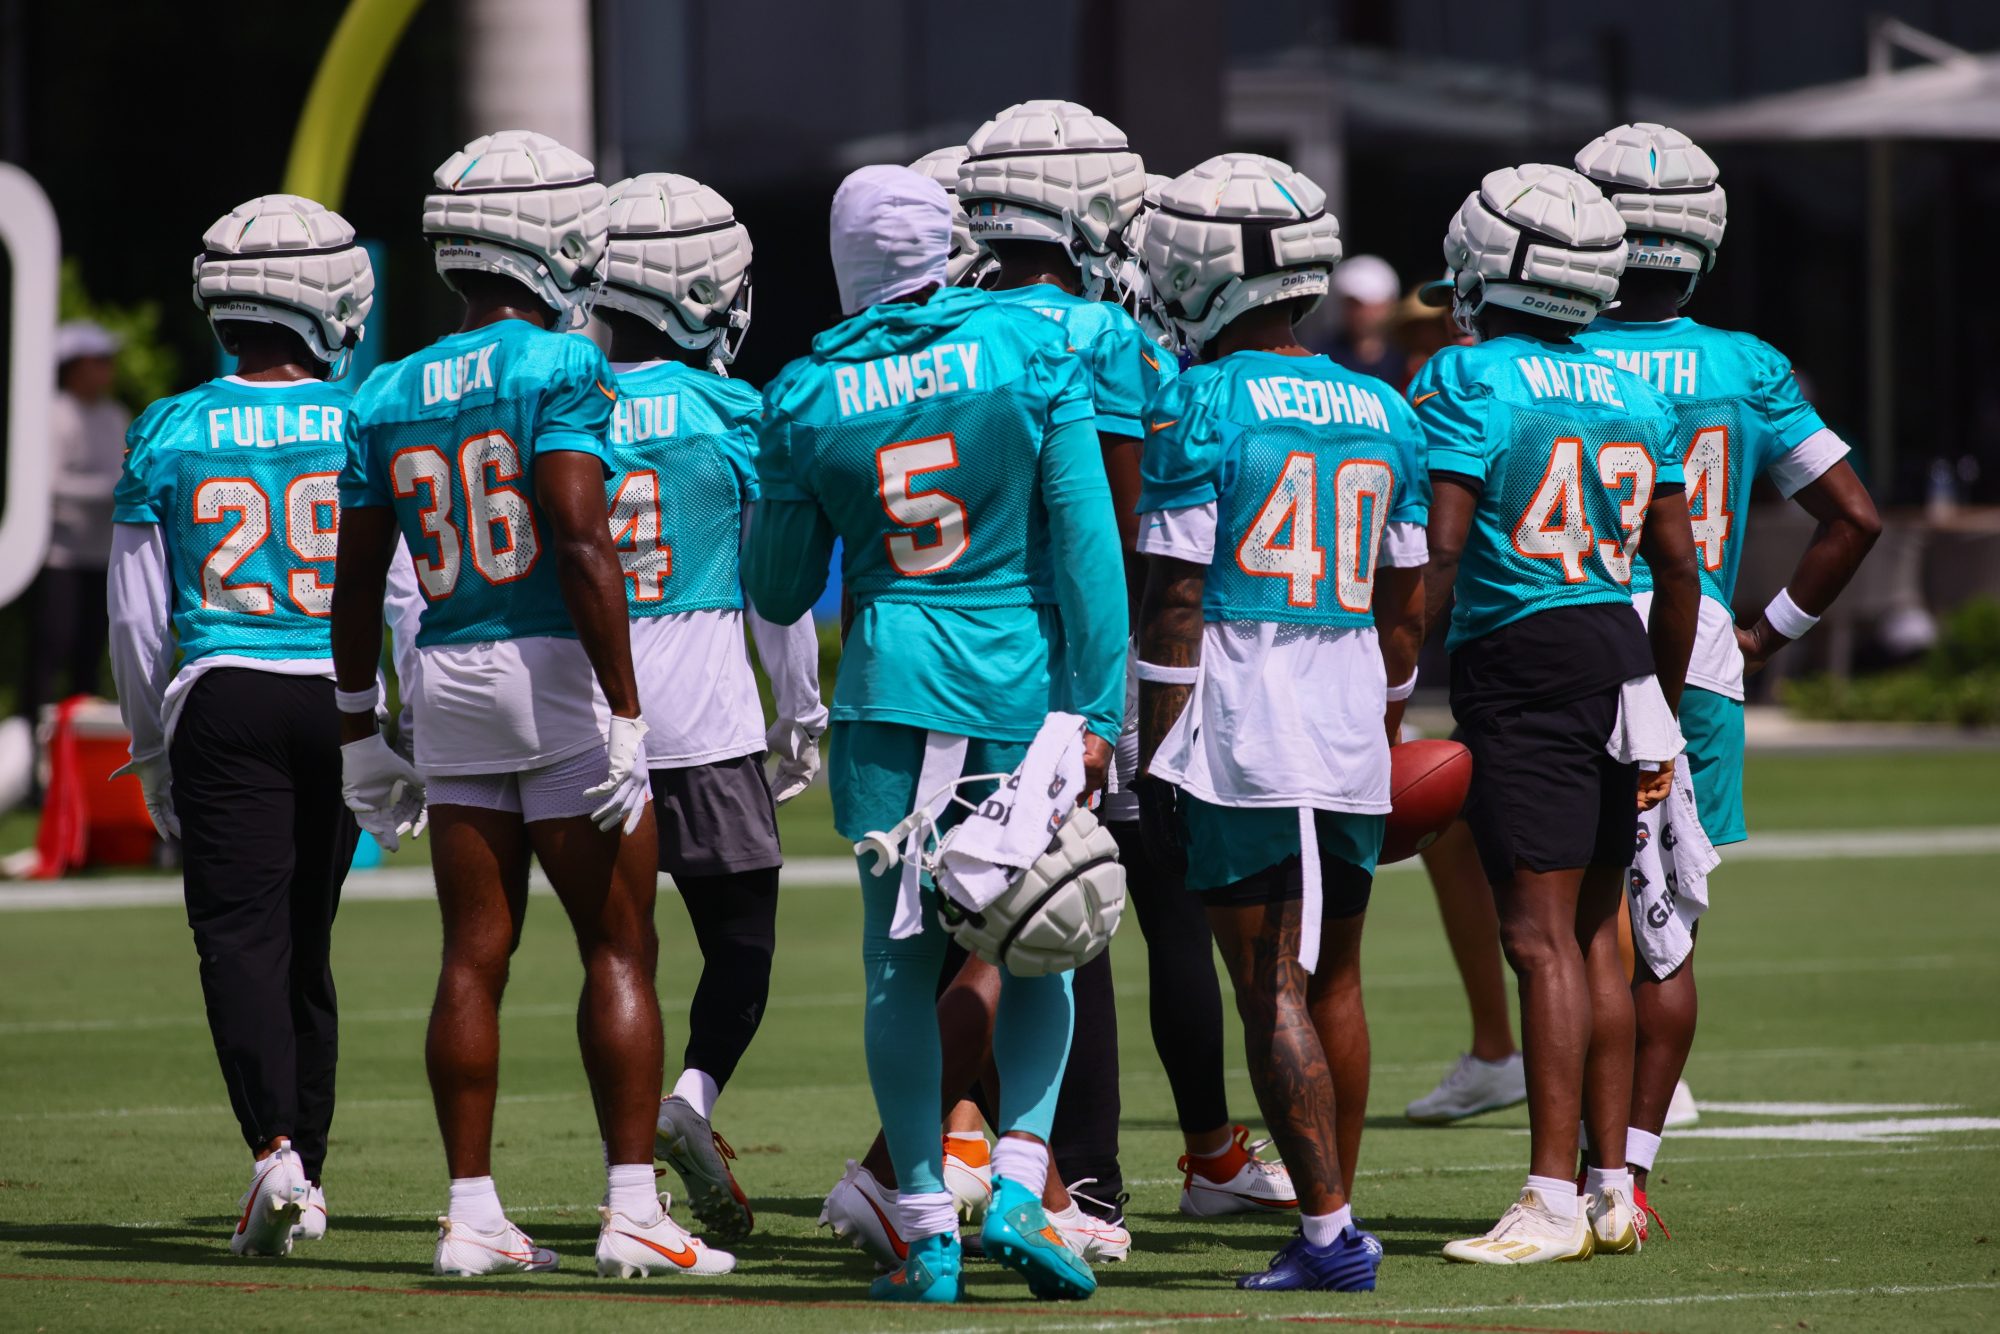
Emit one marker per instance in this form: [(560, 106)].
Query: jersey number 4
[(499, 520), (635, 531), (897, 467), (312, 530), (1283, 540), (1555, 527)]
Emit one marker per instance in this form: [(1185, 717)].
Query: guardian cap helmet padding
[(1054, 171), (1667, 190), (1538, 239), (1239, 231), (285, 260), (1058, 914), (679, 260), (519, 204), (970, 265)]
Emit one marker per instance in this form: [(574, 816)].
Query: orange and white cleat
[(630, 1249), (866, 1217), (273, 1205), (465, 1252), (968, 1175), (312, 1220), (1236, 1181)]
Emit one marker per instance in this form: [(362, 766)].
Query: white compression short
[(552, 792)]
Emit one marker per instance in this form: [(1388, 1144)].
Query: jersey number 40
[(1282, 542), (1555, 526), (499, 521)]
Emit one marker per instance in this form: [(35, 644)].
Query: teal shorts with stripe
[(1713, 726), (1228, 844)]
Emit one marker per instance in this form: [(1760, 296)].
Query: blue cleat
[(1348, 1265), (1019, 1235), (930, 1274)]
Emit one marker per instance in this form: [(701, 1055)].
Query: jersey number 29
[(1283, 540), (312, 531)]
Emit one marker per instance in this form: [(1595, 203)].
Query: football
[(1427, 784)]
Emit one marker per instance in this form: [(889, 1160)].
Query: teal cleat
[(929, 1275), (1019, 1235)]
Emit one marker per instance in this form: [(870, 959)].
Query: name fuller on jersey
[(268, 425), (1551, 377), (453, 378), (889, 382), (1671, 370), (636, 419), (1320, 402)]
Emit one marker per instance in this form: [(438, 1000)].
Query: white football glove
[(796, 747), (383, 789), (156, 781), (629, 785)]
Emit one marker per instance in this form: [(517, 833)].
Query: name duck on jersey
[(453, 378), (268, 425), (888, 382)]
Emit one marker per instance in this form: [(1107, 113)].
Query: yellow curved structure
[(323, 145)]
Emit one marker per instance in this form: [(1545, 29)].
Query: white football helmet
[(1059, 914), (1239, 231), (1667, 190), (285, 260), (519, 204), (1053, 171), (970, 264), (679, 260), (1538, 239), (1135, 284)]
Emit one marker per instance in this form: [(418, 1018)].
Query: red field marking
[(655, 1299)]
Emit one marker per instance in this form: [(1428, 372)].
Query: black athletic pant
[(266, 842), (1184, 998), (1084, 1137), (735, 921)]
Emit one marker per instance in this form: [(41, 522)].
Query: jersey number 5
[(312, 531), (1283, 540), (921, 507)]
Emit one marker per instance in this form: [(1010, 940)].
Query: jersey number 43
[(1555, 525), (1282, 542)]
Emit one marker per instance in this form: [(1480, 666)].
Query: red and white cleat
[(1236, 1181)]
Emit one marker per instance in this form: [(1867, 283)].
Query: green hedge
[(1957, 682)]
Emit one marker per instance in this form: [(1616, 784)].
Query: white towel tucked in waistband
[(984, 854), (1668, 884), (1646, 729)]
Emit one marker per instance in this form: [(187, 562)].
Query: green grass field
[(1868, 982)]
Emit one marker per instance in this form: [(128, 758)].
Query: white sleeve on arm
[(1404, 545), (790, 654), (1184, 534), (403, 609), (1806, 462), (142, 651)]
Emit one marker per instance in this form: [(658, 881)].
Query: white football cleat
[(465, 1252), (312, 1221), (1681, 1110), (628, 1249), (1236, 1181), (1528, 1234), (1470, 1087), (1614, 1223), (1095, 1239), (968, 1175), (272, 1206), (866, 1217)]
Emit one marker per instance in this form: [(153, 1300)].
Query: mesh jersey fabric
[(1124, 366), (449, 436), (242, 481), (1546, 430)]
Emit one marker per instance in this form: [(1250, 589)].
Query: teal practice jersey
[(1566, 450), (1127, 371), (918, 431), (1308, 463), (449, 436), (1739, 409), (243, 481), (684, 442)]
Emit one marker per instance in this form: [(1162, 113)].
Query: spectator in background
[(1420, 326), (1367, 288), (87, 443)]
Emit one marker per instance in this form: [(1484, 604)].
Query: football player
[(485, 448), (1741, 417), (1275, 656), (971, 264), (221, 567), (1550, 468), (684, 439), (948, 442)]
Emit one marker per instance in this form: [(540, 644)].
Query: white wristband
[(1785, 616), (1403, 691), (358, 701), (1171, 676)]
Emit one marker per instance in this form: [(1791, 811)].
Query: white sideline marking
[(839, 873), (1888, 1130), (1824, 1108)]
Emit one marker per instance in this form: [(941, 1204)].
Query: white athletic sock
[(1322, 1230), (632, 1192), (1559, 1197), (929, 1215), (1641, 1148), (698, 1090), (1600, 1179), (475, 1203), (1025, 1162)]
